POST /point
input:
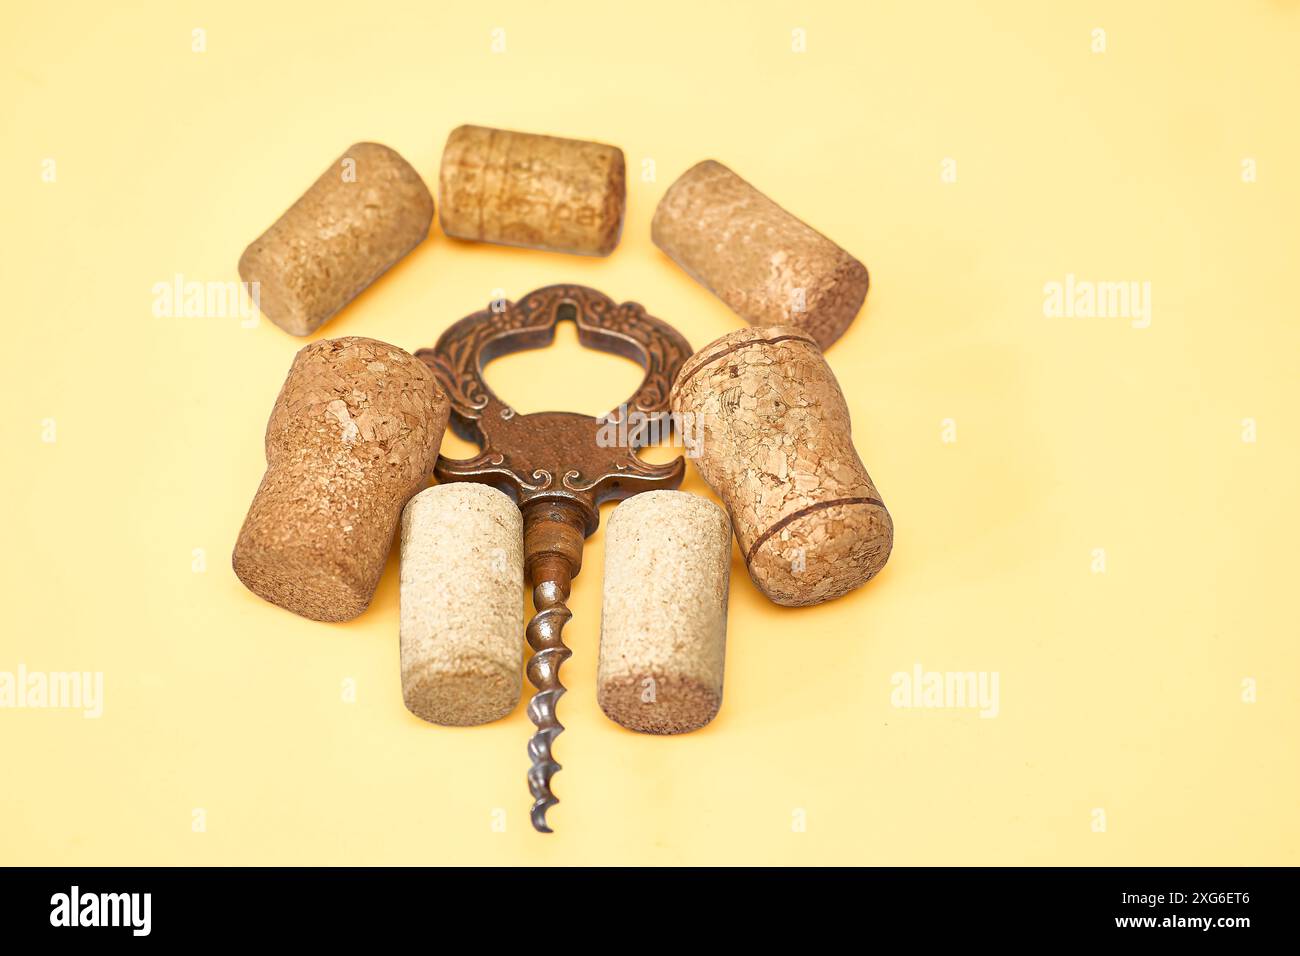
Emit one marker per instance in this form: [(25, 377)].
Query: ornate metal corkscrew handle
[(556, 465)]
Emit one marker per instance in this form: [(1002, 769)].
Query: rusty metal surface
[(554, 464)]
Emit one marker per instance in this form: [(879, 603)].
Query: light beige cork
[(542, 192), (775, 445), (663, 625), (462, 617), (354, 433), (365, 212), (767, 266)]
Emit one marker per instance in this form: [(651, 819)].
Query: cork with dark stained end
[(663, 625), (775, 445), (462, 609), (522, 189), (767, 266), (365, 212), (353, 435)]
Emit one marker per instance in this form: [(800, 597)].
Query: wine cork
[(767, 266), (774, 443), (364, 213), (542, 192), (354, 433), (663, 626), (462, 617)]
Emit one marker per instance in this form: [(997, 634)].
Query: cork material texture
[(462, 604), (365, 212), (776, 446), (541, 192), (767, 266), (663, 624), (353, 435)]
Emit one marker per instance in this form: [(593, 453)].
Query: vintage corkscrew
[(558, 466)]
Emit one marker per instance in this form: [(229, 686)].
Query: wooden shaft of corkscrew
[(558, 466)]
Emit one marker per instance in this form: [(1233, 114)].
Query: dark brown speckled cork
[(522, 189), (767, 266), (365, 212), (776, 446), (353, 435)]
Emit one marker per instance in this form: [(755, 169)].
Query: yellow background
[(1120, 691)]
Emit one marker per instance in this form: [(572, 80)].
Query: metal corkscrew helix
[(558, 466)]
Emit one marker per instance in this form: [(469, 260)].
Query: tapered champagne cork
[(663, 626), (767, 266), (521, 189), (775, 445), (462, 614), (365, 212), (353, 435)]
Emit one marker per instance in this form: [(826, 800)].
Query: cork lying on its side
[(775, 445), (520, 189), (768, 266), (353, 435), (462, 618), (663, 626), (364, 213)]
